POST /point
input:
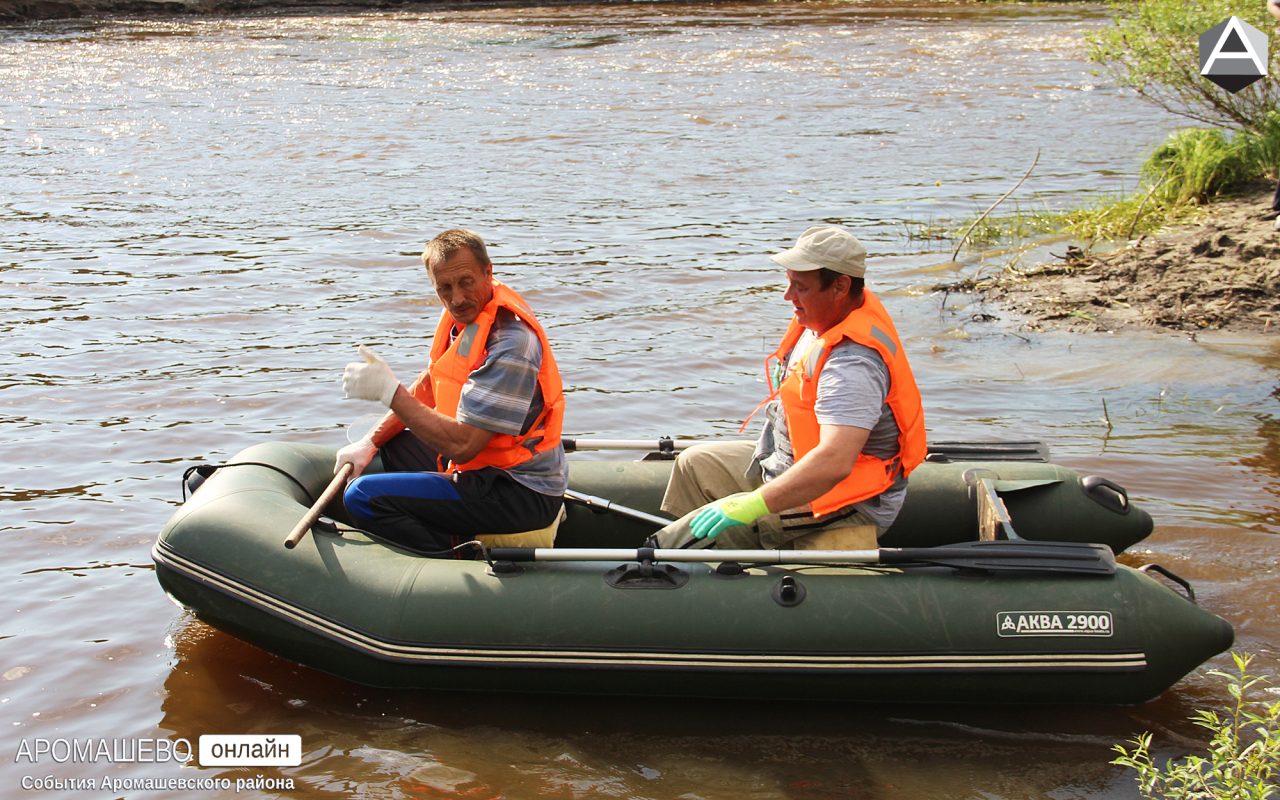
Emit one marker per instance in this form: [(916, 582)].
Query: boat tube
[(1045, 501), (935, 615)]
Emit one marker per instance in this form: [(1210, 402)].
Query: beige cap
[(825, 247)]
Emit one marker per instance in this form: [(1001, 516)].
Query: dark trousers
[(420, 508)]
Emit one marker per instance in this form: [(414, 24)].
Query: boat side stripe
[(497, 655)]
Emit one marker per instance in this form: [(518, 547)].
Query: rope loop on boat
[(206, 471)]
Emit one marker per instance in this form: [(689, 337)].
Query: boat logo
[(1054, 623)]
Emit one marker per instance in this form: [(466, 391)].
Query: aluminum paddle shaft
[(1093, 559)]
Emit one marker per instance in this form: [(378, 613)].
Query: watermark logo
[(112, 751), (241, 750), (1233, 54), (246, 750)]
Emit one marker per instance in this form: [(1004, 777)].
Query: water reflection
[(478, 744), (1268, 461)]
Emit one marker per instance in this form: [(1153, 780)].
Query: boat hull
[(360, 609)]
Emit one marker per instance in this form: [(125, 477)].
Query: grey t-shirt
[(852, 388), (502, 395)]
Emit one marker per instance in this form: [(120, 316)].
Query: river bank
[(18, 11), (1221, 273)]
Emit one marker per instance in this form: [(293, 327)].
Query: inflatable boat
[(997, 584)]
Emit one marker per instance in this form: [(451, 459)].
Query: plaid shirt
[(502, 395)]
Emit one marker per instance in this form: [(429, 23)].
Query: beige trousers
[(708, 472)]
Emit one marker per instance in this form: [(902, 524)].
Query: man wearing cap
[(844, 425)]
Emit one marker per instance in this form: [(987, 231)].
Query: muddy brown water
[(204, 217)]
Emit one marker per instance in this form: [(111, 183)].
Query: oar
[(1020, 450), (1067, 557), (591, 501), (313, 514), (580, 444)]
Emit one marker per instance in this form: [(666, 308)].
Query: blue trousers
[(430, 512)]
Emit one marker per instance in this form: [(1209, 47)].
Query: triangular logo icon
[(1233, 44), (1233, 54)]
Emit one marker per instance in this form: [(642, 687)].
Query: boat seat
[(542, 537), (853, 537)]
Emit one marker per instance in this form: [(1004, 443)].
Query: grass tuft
[(1185, 173)]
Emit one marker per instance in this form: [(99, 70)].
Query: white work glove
[(358, 454), (371, 380)]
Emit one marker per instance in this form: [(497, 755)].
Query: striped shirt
[(502, 395)]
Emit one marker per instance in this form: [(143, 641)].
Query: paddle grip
[(512, 554), (336, 485)]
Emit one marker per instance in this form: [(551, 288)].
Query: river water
[(203, 217)]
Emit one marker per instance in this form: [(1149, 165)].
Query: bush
[(1154, 50), (1194, 165), (1243, 762)]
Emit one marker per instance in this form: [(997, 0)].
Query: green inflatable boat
[(997, 584)]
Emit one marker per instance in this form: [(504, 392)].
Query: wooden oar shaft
[(336, 485)]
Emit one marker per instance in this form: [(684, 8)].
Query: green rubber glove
[(728, 513)]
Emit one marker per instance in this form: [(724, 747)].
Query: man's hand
[(740, 509), (357, 454), (370, 380)]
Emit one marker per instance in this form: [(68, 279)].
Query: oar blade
[(1002, 556), (1079, 558)]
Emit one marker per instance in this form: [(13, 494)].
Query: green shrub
[(1154, 49), (1198, 164), (1243, 761), (1263, 144)]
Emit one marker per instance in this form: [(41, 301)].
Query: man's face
[(816, 308), (463, 284)]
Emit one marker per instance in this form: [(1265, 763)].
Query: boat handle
[(1191, 593), (1105, 493), (788, 592)]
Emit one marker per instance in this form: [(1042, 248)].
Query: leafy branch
[(1243, 761)]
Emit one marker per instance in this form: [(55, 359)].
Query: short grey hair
[(445, 245)]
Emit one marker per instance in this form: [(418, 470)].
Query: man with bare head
[(473, 446)]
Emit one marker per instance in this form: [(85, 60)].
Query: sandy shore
[(1220, 274)]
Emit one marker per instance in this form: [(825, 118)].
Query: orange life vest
[(868, 325), (453, 361)]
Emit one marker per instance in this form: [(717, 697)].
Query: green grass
[(1018, 223), (1188, 171)]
